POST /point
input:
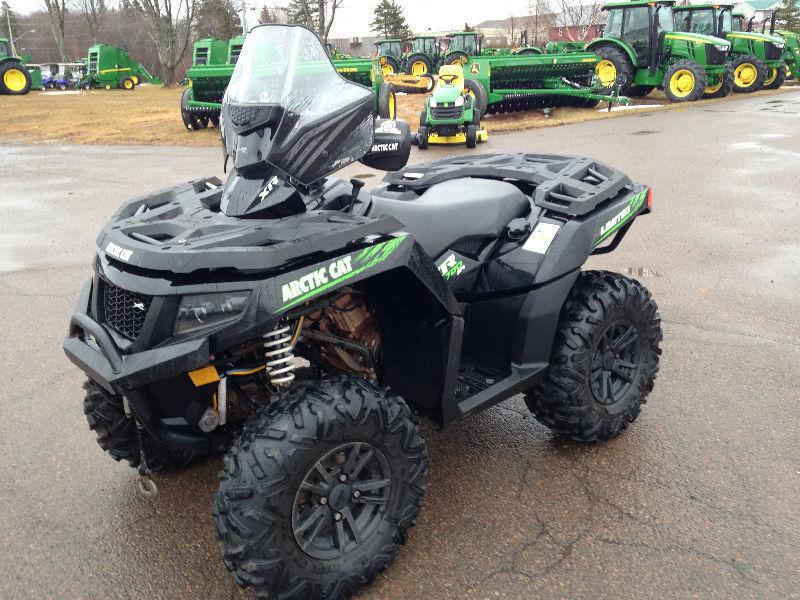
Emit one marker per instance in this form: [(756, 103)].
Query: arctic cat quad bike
[(300, 323), (450, 115)]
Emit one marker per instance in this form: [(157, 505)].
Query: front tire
[(604, 360), (749, 74), (320, 490), (116, 433), (685, 81), (722, 87), (775, 77)]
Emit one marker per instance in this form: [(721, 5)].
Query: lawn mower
[(450, 115), (304, 326)]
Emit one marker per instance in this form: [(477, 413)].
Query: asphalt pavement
[(698, 499)]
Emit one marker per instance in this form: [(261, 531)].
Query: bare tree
[(577, 17), (326, 13), (93, 12), (540, 20), (169, 24), (56, 14), (511, 30)]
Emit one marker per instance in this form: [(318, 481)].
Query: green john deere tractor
[(755, 58), (111, 68), (641, 50), (425, 56), (213, 62), (791, 48), (389, 53), (15, 78)]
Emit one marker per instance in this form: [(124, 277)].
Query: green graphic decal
[(325, 277), (625, 215), (451, 267)]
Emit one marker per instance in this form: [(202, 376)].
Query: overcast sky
[(353, 18)]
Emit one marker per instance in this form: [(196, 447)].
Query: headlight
[(460, 101), (432, 103), (206, 310), (722, 48)]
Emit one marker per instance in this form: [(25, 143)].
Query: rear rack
[(563, 184)]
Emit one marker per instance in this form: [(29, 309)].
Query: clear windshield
[(319, 121), (4, 51), (288, 67), (703, 22), (736, 23), (727, 21)]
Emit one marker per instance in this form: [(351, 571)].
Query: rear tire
[(418, 64), (457, 58), (589, 393), (749, 74), (387, 102), (480, 97), (116, 433), (623, 69), (344, 440), (15, 79), (725, 86), (640, 91), (775, 77), (685, 81)]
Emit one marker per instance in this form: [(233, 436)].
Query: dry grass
[(151, 116)]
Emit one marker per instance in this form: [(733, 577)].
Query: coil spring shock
[(280, 360)]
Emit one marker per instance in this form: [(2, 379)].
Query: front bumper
[(93, 350)]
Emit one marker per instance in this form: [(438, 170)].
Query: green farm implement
[(15, 78), (111, 68), (756, 59), (213, 64), (641, 50), (522, 82)]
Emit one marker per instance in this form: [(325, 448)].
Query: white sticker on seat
[(539, 241)]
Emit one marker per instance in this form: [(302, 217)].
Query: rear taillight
[(650, 199)]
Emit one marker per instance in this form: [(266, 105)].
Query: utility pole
[(7, 10), (244, 17)]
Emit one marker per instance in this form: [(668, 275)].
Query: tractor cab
[(641, 25), (391, 47), (5, 48), (424, 44), (462, 45)]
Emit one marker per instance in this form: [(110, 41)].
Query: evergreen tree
[(303, 12), (8, 15), (389, 20), (218, 19), (789, 15)]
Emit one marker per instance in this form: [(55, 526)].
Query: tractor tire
[(478, 93), (320, 490), (472, 136), (722, 88), (15, 79), (614, 61), (604, 360), (640, 91), (476, 117), (422, 137), (457, 58), (127, 84), (107, 86), (431, 82), (214, 120), (685, 81), (422, 118), (389, 65), (775, 77), (387, 102), (528, 51), (418, 64), (749, 74), (117, 435)]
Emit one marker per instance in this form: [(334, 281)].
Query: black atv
[(300, 323)]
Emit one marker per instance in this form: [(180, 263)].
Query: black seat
[(452, 210)]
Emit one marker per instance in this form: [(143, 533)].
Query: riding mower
[(450, 115), (304, 326)]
